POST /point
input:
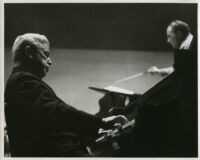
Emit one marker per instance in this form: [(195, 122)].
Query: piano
[(158, 126)]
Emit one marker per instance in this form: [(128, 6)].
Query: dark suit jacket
[(41, 124), (168, 128)]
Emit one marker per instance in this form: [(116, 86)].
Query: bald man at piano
[(166, 115), (39, 123)]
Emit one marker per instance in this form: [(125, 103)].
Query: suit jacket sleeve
[(52, 112)]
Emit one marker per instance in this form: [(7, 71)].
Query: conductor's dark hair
[(180, 26), (29, 39)]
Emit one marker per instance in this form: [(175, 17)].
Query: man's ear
[(28, 52), (179, 34)]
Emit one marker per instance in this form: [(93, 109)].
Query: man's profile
[(179, 37), (166, 115), (39, 123)]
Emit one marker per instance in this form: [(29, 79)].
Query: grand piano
[(161, 127)]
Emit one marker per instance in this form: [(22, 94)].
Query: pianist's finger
[(121, 119)]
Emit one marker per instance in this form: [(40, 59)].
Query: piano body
[(158, 130)]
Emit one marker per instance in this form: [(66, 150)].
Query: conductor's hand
[(160, 71), (114, 121), (154, 70)]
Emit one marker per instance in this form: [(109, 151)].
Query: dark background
[(98, 26)]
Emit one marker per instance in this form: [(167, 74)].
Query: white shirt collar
[(186, 43)]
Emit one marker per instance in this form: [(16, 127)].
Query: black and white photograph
[(112, 80)]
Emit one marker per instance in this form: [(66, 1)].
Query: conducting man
[(180, 38), (168, 125)]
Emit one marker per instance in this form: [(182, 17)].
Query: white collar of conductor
[(186, 43)]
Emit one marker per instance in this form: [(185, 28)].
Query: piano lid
[(138, 83), (113, 89)]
